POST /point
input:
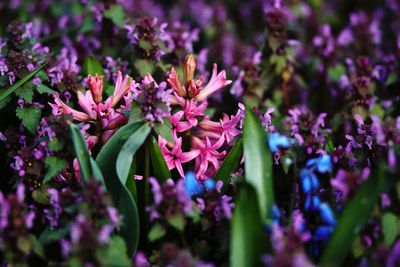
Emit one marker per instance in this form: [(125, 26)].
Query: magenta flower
[(216, 82), (175, 157), (95, 110), (193, 89), (208, 155), (226, 127), (61, 108)]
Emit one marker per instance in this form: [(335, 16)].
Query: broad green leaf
[(30, 117), (258, 162), (116, 14), (125, 157), (122, 198), (55, 165), (390, 227), (92, 66), (355, 214), (246, 230), (96, 173), (81, 152), (26, 78), (160, 168), (230, 164)]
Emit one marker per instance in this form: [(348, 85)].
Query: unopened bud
[(189, 67), (96, 87)]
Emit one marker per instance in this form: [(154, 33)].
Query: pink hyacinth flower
[(216, 82), (61, 108), (122, 86), (208, 154), (175, 157)]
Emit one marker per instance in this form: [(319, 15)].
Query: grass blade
[(24, 79)]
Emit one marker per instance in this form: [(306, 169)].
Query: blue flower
[(323, 164), (276, 141), (312, 203), (326, 214), (209, 184), (192, 185), (309, 180), (275, 214), (323, 233)]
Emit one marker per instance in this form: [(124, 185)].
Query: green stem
[(146, 172)]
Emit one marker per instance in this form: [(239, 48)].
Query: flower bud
[(96, 87), (189, 67)]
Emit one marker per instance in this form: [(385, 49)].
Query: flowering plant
[(196, 133)]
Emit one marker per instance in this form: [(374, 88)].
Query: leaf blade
[(247, 233), (230, 164), (160, 167), (258, 162), (24, 79), (125, 156)]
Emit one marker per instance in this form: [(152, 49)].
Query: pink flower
[(121, 88), (61, 108), (177, 124), (95, 84), (192, 110), (87, 104), (208, 154), (216, 82), (226, 127), (175, 157), (191, 88), (173, 81)]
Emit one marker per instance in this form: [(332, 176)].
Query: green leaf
[(41, 194), (116, 14), (26, 78), (92, 66), (25, 92), (177, 221), (160, 168), (49, 236), (81, 152), (156, 232), (121, 196), (87, 166), (136, 114), (144, 66), (30, 117), (55, 165), (355, 214), (230, 164), (336, 72), (164, 129), (115, 254), (125, 157), (258, 162), (246, 230), (390, 227), (43, 89)]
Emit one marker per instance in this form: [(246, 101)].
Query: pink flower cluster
[(103, 114), (209, 139)]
